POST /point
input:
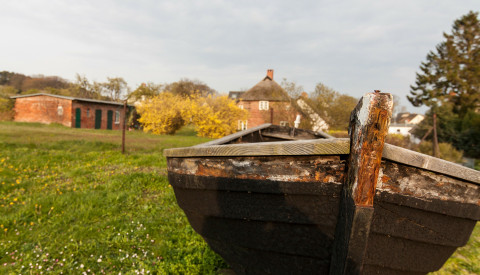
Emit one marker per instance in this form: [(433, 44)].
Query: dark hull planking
[(277, 214)]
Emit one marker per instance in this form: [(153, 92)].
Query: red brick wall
[(257, 117), (88, 114), (43, 109)]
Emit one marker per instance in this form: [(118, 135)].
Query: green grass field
[(70, 202)]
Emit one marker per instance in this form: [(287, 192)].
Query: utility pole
[(124, 125), (435, 138)]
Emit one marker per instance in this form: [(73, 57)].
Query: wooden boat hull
[(277, 214), (325, 206)]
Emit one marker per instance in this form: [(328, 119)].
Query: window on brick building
[(88, 112), (117, 117), (60, 110), (242, 125), (263, 105)]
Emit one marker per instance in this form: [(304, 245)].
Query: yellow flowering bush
[(163, 114), (213, 116)]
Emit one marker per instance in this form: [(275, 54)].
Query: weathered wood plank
[(430, 163), (369, 124), (231, 137), (280, 136), (339, 146), (328, 147)]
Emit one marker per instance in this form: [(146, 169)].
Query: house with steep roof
[(268, 102), (403, 123), (69, 111)]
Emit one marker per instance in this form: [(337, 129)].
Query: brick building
[(69, 111), (267, 102)]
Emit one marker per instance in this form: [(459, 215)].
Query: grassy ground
[(71, 202), (466, 260)]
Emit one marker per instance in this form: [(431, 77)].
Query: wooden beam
[(124, 125), (337, 146), (369, 124), (231, 137)]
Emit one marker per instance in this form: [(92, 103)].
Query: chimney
[(270, 73)]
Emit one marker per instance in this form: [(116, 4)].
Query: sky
[(352, 46)]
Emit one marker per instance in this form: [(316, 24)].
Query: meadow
[(71, 203)]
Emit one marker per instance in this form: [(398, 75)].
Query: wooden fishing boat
[(276, 200)]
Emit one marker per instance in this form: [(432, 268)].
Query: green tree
[(187, 87), (6, 103), (449, 83), (81, 87), (12, 79), (332, 106), (293, 89), (115, 88), (452, 73), (447, 124), (41, 82), (144, 91)]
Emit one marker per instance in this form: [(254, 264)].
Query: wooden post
[(124, 126), (435, 137), (369, 124)]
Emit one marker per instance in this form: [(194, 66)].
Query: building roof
[(267, 90), (71, 98), (235, 94), (408, 118)]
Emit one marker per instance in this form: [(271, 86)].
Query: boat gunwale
[(336, 146)]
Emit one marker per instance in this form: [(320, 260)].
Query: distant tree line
[(115, 88)]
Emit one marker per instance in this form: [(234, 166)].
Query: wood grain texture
[(405, 156), (231, 137), (368, 127), (427, 190), (337, 146), (328, 147)]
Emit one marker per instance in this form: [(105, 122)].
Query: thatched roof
[(267, 90)]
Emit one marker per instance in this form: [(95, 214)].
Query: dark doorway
[(109, 119), (98, 119), (78, 118)]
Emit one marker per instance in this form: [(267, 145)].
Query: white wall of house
[(403, 130), (318, 123), (417, 119)]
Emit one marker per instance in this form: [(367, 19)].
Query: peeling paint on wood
[(369, 124), (281, 168)]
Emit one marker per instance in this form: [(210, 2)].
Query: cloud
[(353, 46)]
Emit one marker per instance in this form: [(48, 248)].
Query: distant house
[(403, 123), (318, 123), (265, 102), (69, 111), (408, 118), (236, 95), (268, 102)]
